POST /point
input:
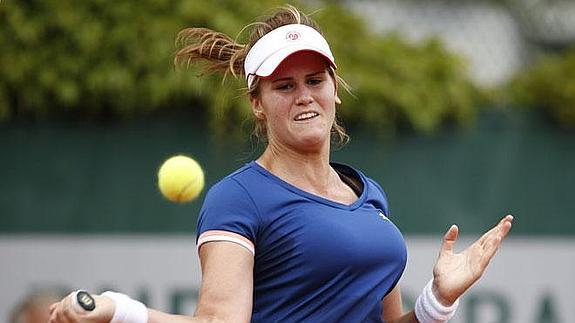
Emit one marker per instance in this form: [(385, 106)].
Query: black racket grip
[(85, 300)]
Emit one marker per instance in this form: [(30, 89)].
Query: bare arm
[(393, 309), (227, 282), (227, 285), (454, 273), (225, 295)]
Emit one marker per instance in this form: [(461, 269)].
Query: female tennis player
[(291, 236)]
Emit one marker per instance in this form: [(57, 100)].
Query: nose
[(304, 97)]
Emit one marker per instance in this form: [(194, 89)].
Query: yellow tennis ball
[(180, 179)]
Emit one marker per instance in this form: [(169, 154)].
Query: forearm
[(408, 317), (207, 311), (155, 316), (427, 307)]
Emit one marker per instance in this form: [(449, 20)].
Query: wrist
[(428, 309), (127, 310), (447, 302)]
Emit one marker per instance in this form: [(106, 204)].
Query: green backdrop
[(63, 177)]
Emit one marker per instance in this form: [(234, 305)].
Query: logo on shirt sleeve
[(381, 215)]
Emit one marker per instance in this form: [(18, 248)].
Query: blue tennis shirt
[(316, 260)]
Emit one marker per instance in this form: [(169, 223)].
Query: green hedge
[(549, 84), (99, 59)]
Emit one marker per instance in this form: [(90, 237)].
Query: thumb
[(449, 239)]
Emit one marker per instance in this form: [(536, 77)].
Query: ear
[(335, 84), (257, 108)]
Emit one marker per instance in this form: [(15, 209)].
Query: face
[(297, 103)]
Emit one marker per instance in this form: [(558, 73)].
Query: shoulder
[(230, 207), (377, 196), (233, 185), (243, 191)]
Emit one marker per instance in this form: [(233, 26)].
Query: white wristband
[(429, 310), (127, 309)]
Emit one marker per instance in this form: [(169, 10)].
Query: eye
[(314, 81), (284, 86)]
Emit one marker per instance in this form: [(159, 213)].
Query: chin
[(313, 143)]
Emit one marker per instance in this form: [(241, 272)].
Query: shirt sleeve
[(381, 200), (228, 214)]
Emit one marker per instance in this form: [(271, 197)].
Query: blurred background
[(464, 111)]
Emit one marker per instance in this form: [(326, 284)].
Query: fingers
[(449, 238), (68, 309), (56, 312), (53, 311), (60, 314), (52, 308), (501, 229), (493, 241), (506, 226), (508, 217), (489, 250), (64, 311), (505, 221)]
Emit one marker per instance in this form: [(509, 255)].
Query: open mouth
[(306, 116)]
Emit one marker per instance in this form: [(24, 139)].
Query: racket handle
[(85, 300)]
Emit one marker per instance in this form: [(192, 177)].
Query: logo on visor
[(292, 35)]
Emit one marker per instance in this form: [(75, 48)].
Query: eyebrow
[(289, 78)]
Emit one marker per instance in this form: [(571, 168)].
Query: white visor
[(270, 50)]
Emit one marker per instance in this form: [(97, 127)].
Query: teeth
[(307, 115)]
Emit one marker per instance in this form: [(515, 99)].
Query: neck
[(306, 170)]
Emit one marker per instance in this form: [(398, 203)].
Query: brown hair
[(223, 54)]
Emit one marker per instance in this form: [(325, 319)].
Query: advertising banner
[(530, 280)]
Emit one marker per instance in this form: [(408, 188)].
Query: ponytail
[(219, 52)]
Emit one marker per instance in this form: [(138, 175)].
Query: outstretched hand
[(454, 272)]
